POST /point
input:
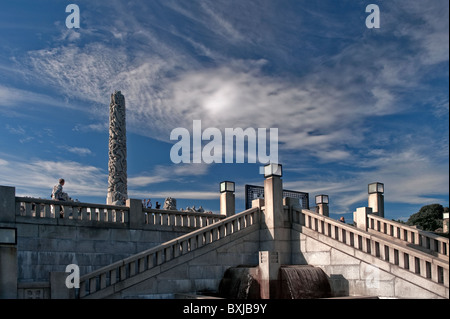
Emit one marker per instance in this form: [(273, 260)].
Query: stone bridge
[(131, 252)]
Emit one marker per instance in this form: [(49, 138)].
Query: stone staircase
[(406, 256), (390, 250), (113, 280)]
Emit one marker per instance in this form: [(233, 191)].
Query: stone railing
[(415, 261), (108, 280), (412, 236), (179, 218), (37, 208)]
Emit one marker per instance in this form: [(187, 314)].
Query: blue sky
[(352, 105)]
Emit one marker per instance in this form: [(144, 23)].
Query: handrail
[(43, 208), (418, 262), (118, 272), (37, 208), (408, 234), (179, 218)]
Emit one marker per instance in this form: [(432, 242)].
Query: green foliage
[(428, 218)]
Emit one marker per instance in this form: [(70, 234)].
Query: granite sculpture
[(117, 165)]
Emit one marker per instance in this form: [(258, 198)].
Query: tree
[(428, 218)]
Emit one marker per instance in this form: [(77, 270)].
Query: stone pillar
[(323, 209), (273, 202), (360, 217), (269, 267), (292, 203), (8, 244), (117, 165), (227, 198), (258, 202), (227, 204), (376, 202), (136, 216), (8, 271), (275, 235), (445, 223), (58, 288), (7, 204), (322, 205), (376, 198)]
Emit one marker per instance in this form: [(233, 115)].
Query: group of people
[(147, 203), (59, 194)]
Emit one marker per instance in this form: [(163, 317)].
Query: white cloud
[(37, 177), (174, 173), (15, 130), (321, 111), (141, 181), (410, 175), (165, 87), (87, 74), (223, 26), (174, 193), (424, 22), (11, 97), (82, 151)]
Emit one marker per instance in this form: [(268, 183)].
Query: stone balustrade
[(42, 208), (410, 235), (110, 279), (36, 208), (179, 218), (416, 261)]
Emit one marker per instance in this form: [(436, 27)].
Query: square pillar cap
[(273, 169), (322, 199), (227, 186), (376, 187)]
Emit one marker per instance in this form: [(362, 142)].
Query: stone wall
[(45, 247)]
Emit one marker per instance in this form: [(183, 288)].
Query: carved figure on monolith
[(117, 165)]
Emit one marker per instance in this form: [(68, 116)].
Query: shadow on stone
[(302, 282), (240, 282), (294, 282)]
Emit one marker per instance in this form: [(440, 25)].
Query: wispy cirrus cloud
[(318, 107), (424, 186), (82, 151), (337, 91), (34, 176), (11, 97), (163, 173)]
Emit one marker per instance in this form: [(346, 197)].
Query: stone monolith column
[(117, 165)]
